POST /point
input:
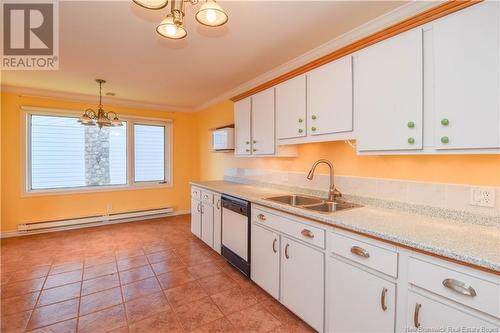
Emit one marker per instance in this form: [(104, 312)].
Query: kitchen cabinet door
[(265, 270), (207, 224), (291, 108), (242, 126), (359, 301), (427, 314), (466, 72), (329, 98), (196, 217), (388, 98), (217, 223), (263, 134), (302, 281)]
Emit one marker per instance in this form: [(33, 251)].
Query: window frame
[(26, 190)]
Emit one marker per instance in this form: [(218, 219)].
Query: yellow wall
[(192, 159), (18, 209), (458, 169)]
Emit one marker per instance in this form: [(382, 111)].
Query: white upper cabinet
[(329, 98), (242, 123), (263, 134), (388, 95), (466, 72), (291, 108)]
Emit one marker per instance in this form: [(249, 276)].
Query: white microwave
[(223, 139)]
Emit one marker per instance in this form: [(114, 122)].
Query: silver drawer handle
[(307, 233), (416, 322), (382, 299), (286, 251), (274, 245), (460, 287), (261, 217), (359, 251), (218, 204)]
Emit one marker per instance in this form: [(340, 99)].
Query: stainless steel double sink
[(313, 203)]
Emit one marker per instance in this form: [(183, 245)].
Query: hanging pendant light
[(99, 117), (152, 4), (211, 14), (170, 29)]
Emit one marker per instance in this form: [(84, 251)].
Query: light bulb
[(211, 15), (171, 29)]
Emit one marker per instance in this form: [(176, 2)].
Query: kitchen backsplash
[(447, 196)]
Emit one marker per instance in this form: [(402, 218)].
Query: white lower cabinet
[(206, 217), (266, 259), (359, 301), (425, 314), (217, 223), (196, 217), (207, 224), (370, 286), (302, 281)]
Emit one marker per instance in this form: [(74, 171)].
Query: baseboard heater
[(104, 219)]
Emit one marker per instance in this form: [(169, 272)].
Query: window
[(149, 151), (63, 155)]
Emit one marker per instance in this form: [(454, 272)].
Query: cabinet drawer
[(466, 289), (207, 197), (371, 255), (195, 193), (302, 231)]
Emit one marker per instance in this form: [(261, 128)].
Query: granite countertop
[(474, 244)]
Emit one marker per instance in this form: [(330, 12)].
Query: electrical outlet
[(482, 196)]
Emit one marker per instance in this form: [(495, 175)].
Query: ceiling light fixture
[(210, 14), (101, 117)]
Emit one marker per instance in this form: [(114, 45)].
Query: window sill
[(112, 188)]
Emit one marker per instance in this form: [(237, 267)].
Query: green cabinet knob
[(300, 120), (313, 128), (411, 140), (313, 117), (254, 149), (445, 122), (445, 139), (301, 130), (411, 124)]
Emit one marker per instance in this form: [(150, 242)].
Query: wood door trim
[(429, 15)]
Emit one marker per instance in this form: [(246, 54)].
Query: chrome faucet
[(333, 192)]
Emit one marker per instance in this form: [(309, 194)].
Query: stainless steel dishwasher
[(236, 232)]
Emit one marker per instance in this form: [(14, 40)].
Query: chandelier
[(101, 117), (209, 14)]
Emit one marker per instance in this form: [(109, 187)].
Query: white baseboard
[(16, 233)]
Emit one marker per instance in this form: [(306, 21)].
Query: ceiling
[(116, 40)]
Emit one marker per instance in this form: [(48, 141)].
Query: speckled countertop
[(469, 243)]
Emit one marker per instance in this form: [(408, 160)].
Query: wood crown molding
[(429, 15)]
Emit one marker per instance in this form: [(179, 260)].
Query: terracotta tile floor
[(147, 276)]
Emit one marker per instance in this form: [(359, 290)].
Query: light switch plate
[(482, 196)]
